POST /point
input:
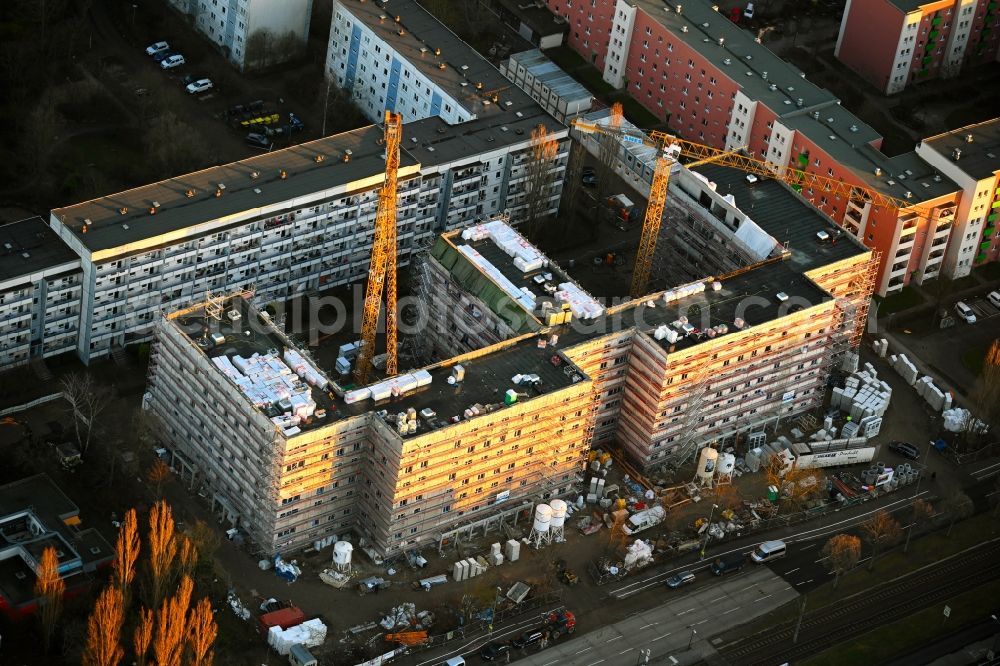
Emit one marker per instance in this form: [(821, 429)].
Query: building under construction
[(533, 370)]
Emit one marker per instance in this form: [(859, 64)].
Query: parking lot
[(954, 353)]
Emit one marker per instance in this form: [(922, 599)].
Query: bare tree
[(87, 399), (172, 145), (958, 506), (922, 513), (158, 474), (880, 530), (259, 49), (287, 47), (608, 151), (842, 552), (574, 173), (986, 393), (539, 178)]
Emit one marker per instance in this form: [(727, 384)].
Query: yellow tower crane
[(382, 272), (671, 148)]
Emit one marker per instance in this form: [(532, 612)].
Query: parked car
[(529, 637), (158, 47), (163, 55), (199, 86), (587, 171), (589, 180), (905, 449), (258, 140), (748, 12), (171, 61), (994, 298), (965, 312), (492, 651), (728, 563), (681, 579)]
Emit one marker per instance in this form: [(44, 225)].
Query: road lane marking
[(614, 639), (626, 650), (717, 599), (595, 662), (659, 637), (748, 587), (791, 571), (731, 610), (761, 598), (647, 625), (702, 622), (687, 611), (585, 649)]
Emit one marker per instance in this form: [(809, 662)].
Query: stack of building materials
[(881, 347), (525, 298), (677, 293), (310, 633), (935, 397), (305, 369), (268, 382), (863, 395), (904, 367), (582, 304), (849, 363), (390, 388), (513, 550), (496, 557)]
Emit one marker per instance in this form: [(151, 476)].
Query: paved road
[(803, 551), (668, 629)]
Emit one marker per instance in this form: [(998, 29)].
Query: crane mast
[(382, 271)]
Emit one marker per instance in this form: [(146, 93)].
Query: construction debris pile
[(406, 617), (961, 420)]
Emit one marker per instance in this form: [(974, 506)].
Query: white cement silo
[(342, 555)]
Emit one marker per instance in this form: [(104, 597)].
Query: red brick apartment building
[(711, 81), (893, 43)]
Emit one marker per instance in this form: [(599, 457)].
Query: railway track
[(887, 602)]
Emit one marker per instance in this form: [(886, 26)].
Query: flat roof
[(33, 247), (549, 74), (536, 16), (980, 157), (908, 6), (263, 340), (42, 498), (840, 134), (705, 27), (467, 76), (786, 217), (487, 377), (761, 283), (107, 228)]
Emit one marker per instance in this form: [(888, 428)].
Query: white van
[(965, 312), (767, 551), (994, 298), (455, 661)]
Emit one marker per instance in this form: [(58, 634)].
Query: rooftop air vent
[(968, 138), (748, 58), (382, 18), (189, 194), (749, 73), (815, 114), (832, 137), (890, 182), (679, 8), (775, 87), (684, 28), (123, 210), (479, 85), (423, 49), (464, 67), (441, 65), (704, 25), (763, 75), (437, 52), (397, 18), (902, 176), (706, 40), (781, 296), (727, 61), (791, 89), (401, 32), (124, 227), (854, 128), (909, 194), (799, 102), (319, 159), (822, 236), (829, 120), (878, 171), (464, 84), (937, 178), (254, 175), (722, 41), (956, 154)]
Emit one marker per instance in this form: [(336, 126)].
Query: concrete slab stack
[(513, 550), (905, 368), (881, 347), (862, 396)]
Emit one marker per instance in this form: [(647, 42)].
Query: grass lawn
[(906, 634), (590, 77), (906, 298), (565, 57)]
